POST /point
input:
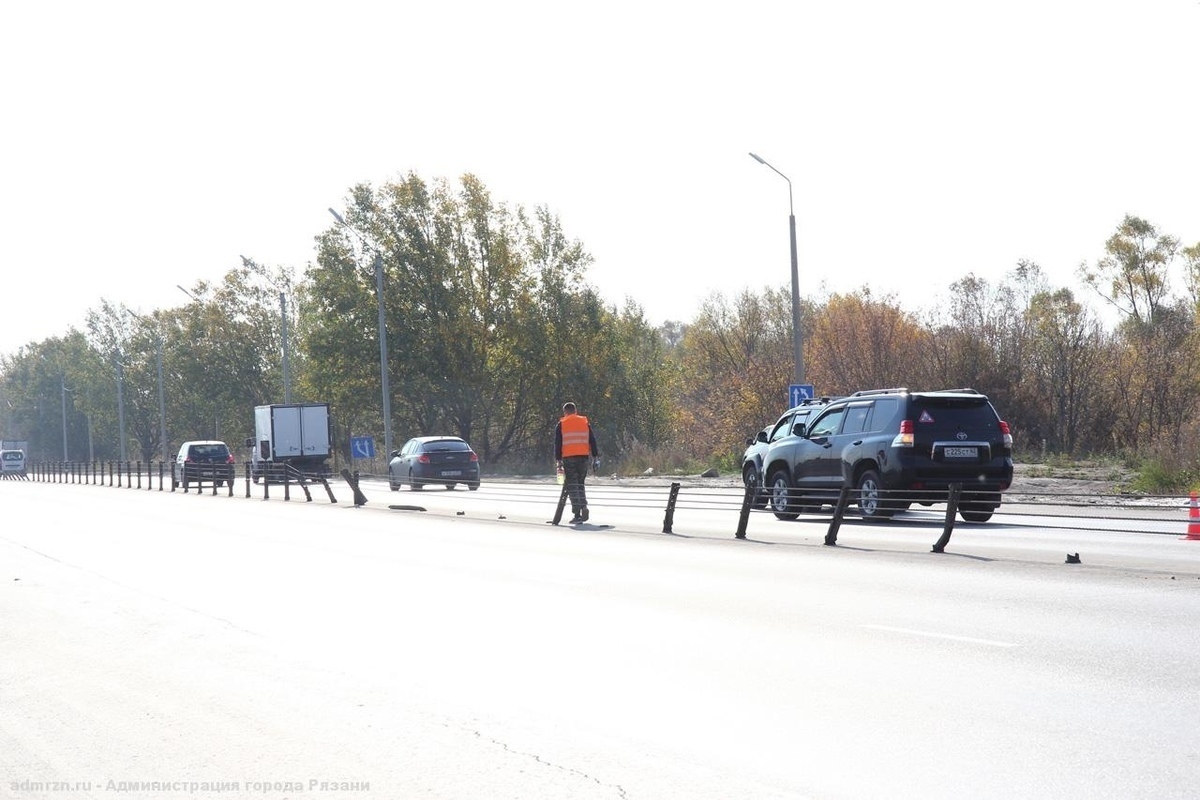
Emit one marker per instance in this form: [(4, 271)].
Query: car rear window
[(446, 446), (209, 451), (943, 417)]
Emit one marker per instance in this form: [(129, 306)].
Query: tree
[(1133, 274)]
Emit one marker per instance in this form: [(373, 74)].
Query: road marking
[(933, 635)]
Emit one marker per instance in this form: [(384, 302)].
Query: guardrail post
[(839, 511), (951, 509), (360, 499), (744, 517), (562, 503), (669, 518)]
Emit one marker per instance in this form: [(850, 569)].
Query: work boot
[(583, 515)]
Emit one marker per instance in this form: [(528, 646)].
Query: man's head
[(568, 408)]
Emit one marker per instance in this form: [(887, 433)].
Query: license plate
[(448, 473), (961, 452)]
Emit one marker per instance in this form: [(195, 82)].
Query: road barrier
[(679, 501)]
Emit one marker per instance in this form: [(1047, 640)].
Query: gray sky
[(149, 144)]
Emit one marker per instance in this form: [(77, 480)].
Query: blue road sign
[(362, 447), (799, 392)]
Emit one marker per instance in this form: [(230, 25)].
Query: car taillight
[(230, 459), (905, 437), (474, 458), (1006, 433), (423, 458)]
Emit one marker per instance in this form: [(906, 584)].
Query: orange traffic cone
[(1193, 533)]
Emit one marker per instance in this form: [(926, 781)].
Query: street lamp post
[(383, 347), (64, 415), (797, 341), (121, 405), (162, 399)]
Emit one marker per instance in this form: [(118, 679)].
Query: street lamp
[(383, 348), (797, 342), (162, 401)]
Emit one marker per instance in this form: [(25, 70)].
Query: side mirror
[(762, 437), (250, 442), (798, 429)]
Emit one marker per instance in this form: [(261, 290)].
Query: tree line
[(492, 325)]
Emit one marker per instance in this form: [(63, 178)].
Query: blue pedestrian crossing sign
[(362, 447), (799, 392)]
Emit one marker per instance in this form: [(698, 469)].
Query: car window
[(447, 446), (782, 428), (943, 418), (883, 413), (209, 451), (856, 418), (828, 423)]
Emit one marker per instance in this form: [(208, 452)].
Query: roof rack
[(866, 392)]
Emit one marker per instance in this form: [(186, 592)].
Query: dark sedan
[(444, 460)]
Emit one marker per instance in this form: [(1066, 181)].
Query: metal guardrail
[(1151, 514)]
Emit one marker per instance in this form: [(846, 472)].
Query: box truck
[(293, 434)]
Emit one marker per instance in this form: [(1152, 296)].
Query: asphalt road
[(157, 645)]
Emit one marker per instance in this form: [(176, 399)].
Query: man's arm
[(558, 442)]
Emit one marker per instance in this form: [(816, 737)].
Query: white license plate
[(449, 473), (961, 452)]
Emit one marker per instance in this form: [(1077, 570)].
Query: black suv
[(756, 448), (894, 447)]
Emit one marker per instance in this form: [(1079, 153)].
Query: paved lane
[(155, 637)]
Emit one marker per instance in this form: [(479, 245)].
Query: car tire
[(414, 484), (473, 486), (870, 497), (750, 480), (781, 496), (395, 487), (450, 486), (975, 513)]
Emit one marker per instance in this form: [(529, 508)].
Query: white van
[(12, 461)]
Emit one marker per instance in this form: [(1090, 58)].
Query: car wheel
[(781, 497), (975, 513), (413, 484), (750, 481), (449, 485), (473, 486), (870, 497)]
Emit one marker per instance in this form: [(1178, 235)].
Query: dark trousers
[(575, 469)]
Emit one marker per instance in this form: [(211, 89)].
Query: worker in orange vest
[(574, 447)]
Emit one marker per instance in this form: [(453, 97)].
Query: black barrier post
[(360, 499), (139, 473), (839, 511), (247, 480), (951, 509), (287, 485), (669, 518), (744, 517), (562, 503)]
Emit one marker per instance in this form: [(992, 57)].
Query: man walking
[(574, 447)]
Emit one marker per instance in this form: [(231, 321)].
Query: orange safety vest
[(575, 436)]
